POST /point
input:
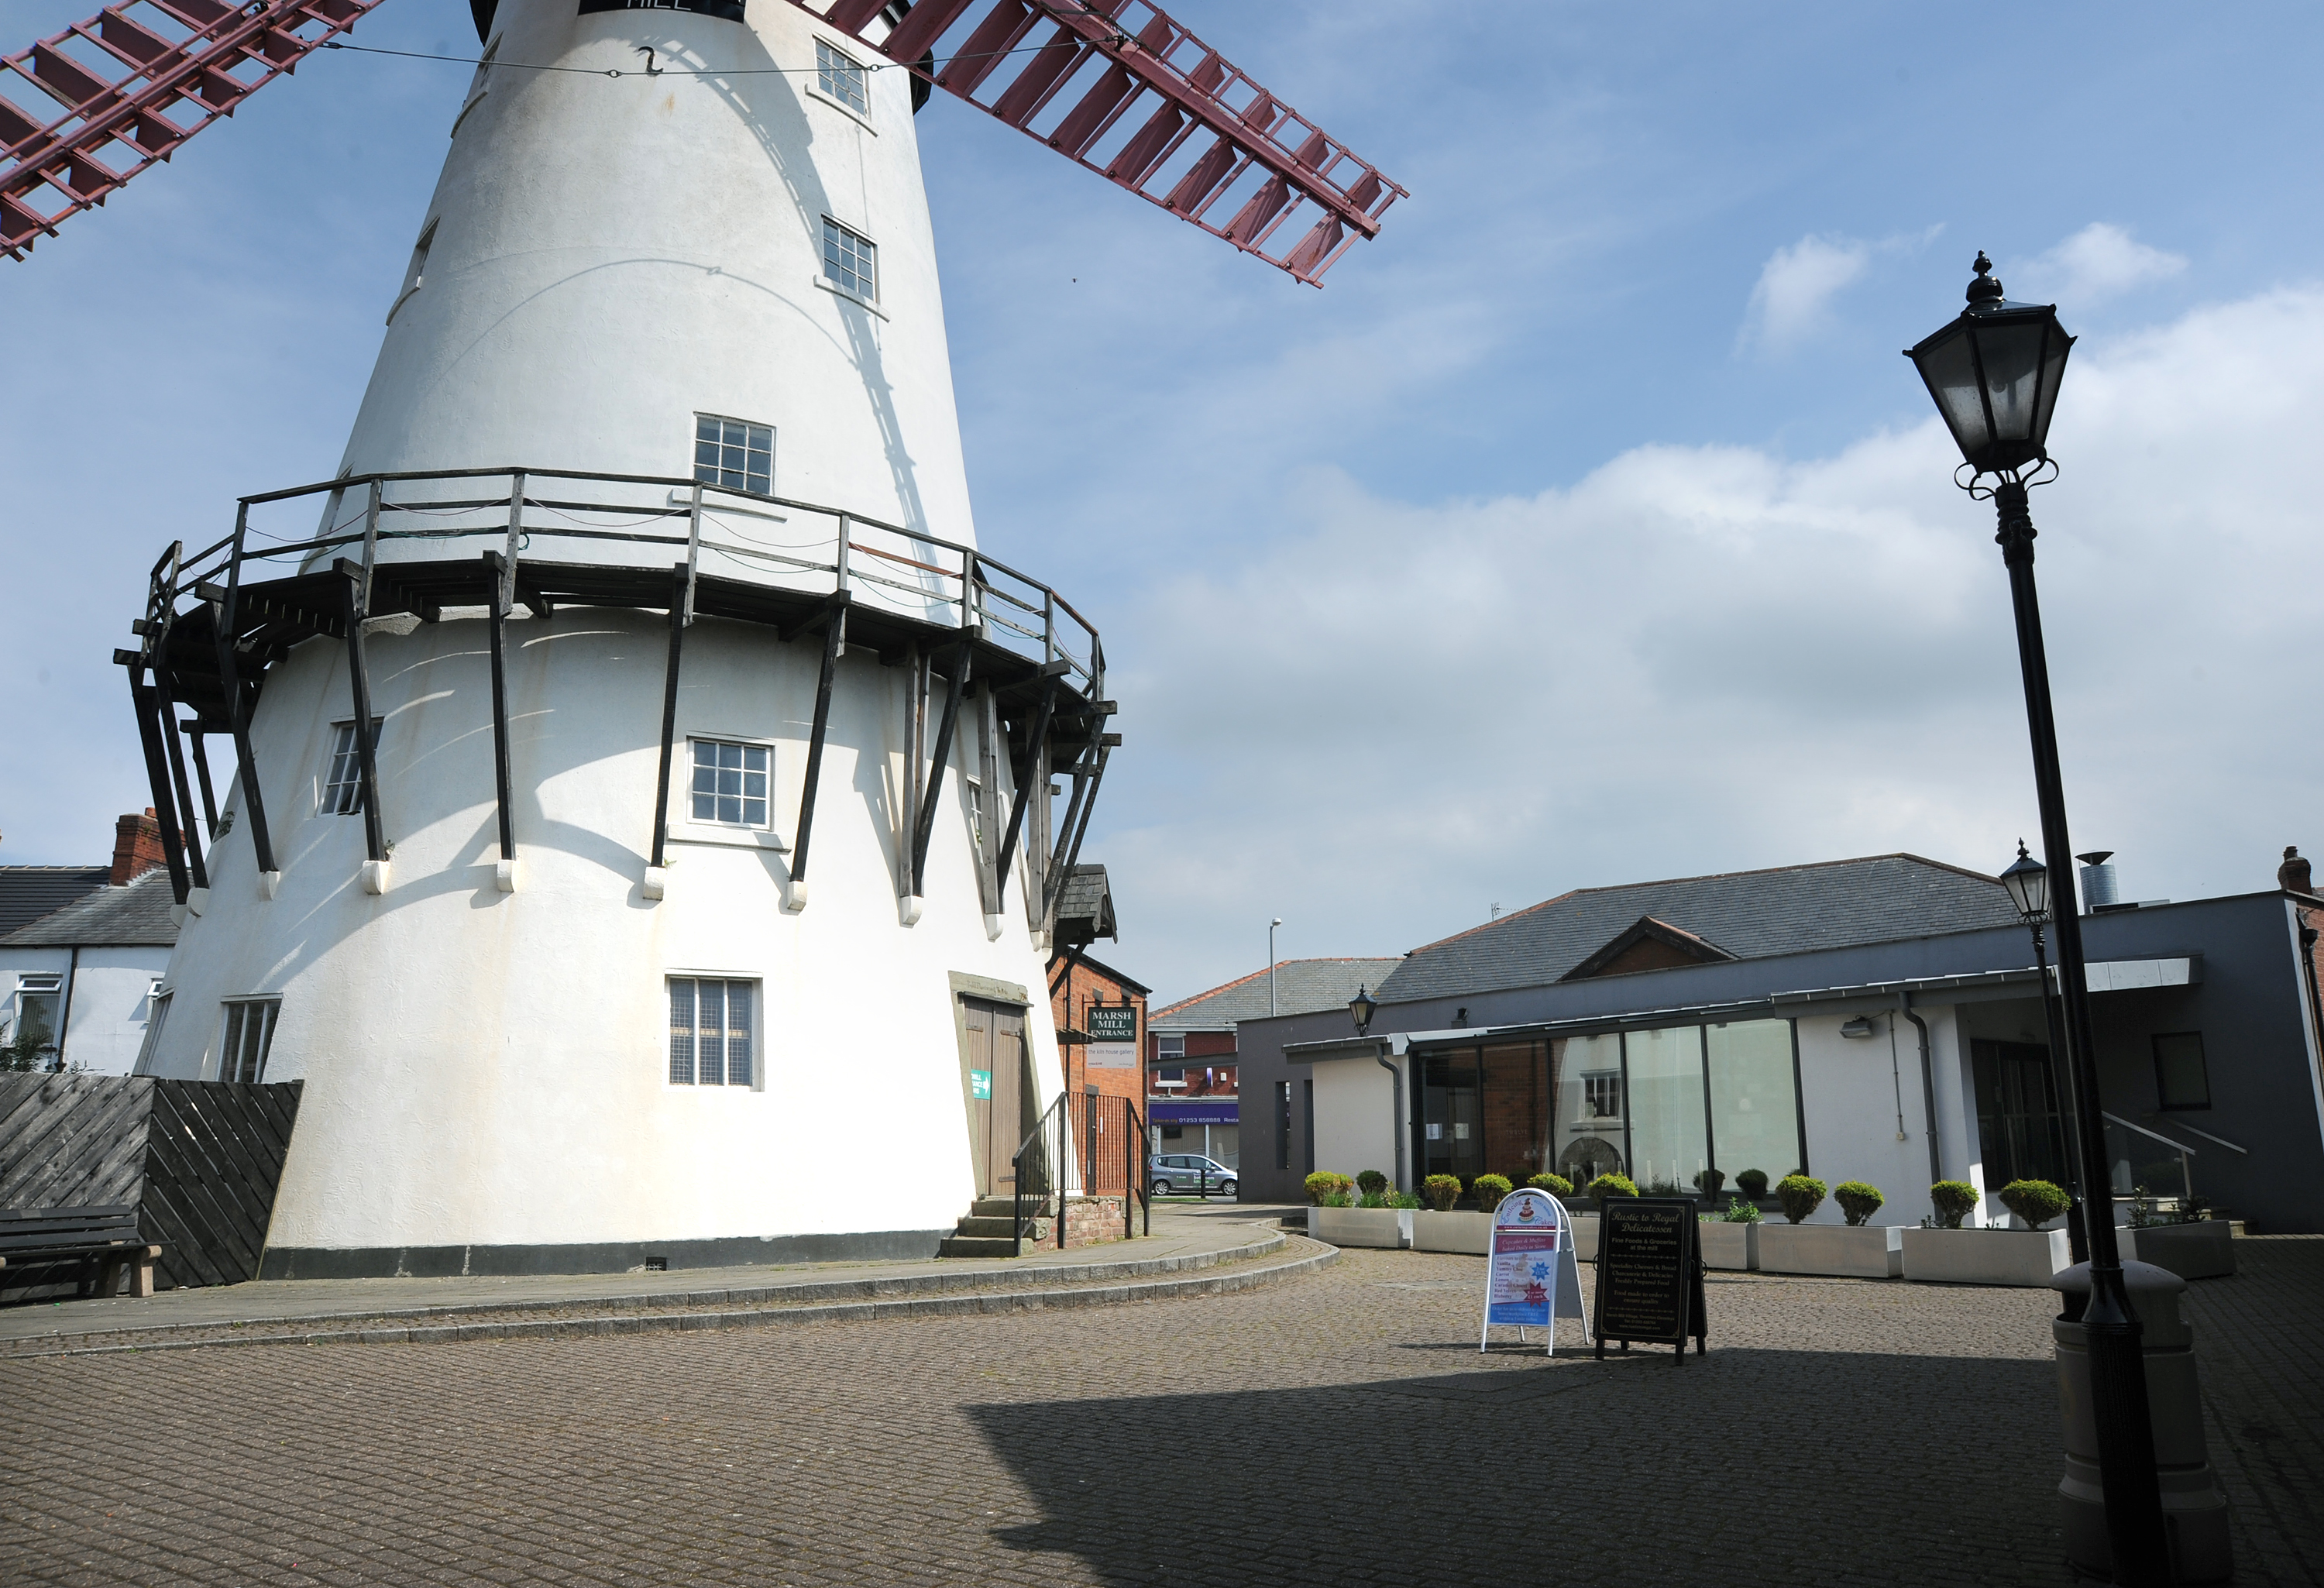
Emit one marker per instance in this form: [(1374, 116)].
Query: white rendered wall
[(611, 256), (1849, 1088), (1356, 1125), (491, 1068), (111, 1001)]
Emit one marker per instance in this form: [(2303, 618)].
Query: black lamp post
[(1363, 1006), (1994, 373), (2028, 883)]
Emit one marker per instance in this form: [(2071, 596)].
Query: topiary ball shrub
[(1799, 1196), (1488, 1190), (1953, 1200), (1371, 1182), (1323, 1184), (1752, 1183), (1557, 1186), (2037, 1202), (1708, 1181), (1441, 1191), (1858, 1199), (1606, 1185)]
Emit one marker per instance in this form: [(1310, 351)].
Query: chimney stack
[(2099, 887), (2292, 875), (136, 846)]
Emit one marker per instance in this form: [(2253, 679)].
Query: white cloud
[(2097, 262), (1796, 286), (1703, 659)]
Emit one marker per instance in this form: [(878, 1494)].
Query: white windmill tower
[(648, 577)]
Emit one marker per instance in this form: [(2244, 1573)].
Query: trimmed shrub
[(1323, 1184), (1488, 1190), (1708, 1181), (1953, 1200), (1606, 1185), (1557, 1186), (1371, 1182), (1752, 1183), (1441, 1191), (1799, 1196), (1858, 1199), (2037, 1202)]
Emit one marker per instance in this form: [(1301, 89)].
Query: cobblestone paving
[(1340, 1429)]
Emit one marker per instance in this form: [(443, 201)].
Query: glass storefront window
[(1590, 1129), (1755, 1117), (1667, 1143), (1515, 1110)]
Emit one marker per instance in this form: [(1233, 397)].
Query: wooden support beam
[(1081, 826), (677, 594), (1034, 775), (988, 835), (497, 607), (359, 692), (157, 779), (951, 720), (916, 716), (237, 707), (194, 735), (168, 709), (834, 644)]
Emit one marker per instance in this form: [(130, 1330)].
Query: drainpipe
[(1396, 1077), (1928, 1083), (64, 1009)]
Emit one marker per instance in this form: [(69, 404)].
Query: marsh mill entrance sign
[(647, 577)]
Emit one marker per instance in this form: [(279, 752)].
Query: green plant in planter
[(1322, 1183), (1403, 1199), (1858, 1201), (1371, 1199), (1708, 1181), (2037, 1202), (1741, 1210), (1799, 1196), (1371, 1182), (1557, 1186), (1953, 1200), (1338, 1199), (1441, 1191), (1488, 1190), (1752, 1183), (1606, 1185)]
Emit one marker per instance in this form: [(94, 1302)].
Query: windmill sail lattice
[(136, 80), (1115, 86)]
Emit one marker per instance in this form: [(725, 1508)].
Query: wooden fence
[(198, 1159)]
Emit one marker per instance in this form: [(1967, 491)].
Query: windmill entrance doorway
[(998, 1090)]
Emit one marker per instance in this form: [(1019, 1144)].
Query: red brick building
[(1077, 984)]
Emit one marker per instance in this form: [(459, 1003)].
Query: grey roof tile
[(1301, 986), (28, 893), (136, 913), (1788, 909)]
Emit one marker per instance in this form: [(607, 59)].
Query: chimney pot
[(2293, 875), (136, 846)]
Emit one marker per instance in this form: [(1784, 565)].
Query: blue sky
[(1585, 528)]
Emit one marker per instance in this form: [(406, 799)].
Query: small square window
[(1603, 1093), (712, 1027), (730, 783), (850, 262), (735, 453), (843, 78), (2181, 1079), (343, 783), (1170, 1046), (249, 1037)]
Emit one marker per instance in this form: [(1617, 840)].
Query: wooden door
[(997, 1092)]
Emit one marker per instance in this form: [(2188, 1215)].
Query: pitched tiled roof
[(1085, 907), (28, 893), (1879, 899), (136, 913), (1301, 986)]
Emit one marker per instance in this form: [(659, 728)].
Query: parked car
[(1177, 1172)]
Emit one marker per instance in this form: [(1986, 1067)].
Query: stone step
[(977, 1246), (994, 1207), (978, 1225)]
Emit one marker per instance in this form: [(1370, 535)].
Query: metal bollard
[(2194, 1505)]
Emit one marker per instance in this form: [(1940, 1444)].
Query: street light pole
[(1270, 964), (1994, 373), (2028, 882)]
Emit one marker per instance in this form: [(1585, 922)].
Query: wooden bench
[(101, 1245)]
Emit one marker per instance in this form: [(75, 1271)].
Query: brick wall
[(1069, 1005), (136, 846)]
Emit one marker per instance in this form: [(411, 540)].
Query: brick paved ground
[(1336, 1430)]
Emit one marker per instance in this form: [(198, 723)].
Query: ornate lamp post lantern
[(1994, 373), (1363, 1006), (2028, 885)]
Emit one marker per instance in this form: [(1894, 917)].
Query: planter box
[(1451, 1231), (2192, 1251), (1729, 1246), (1986, 1257), (1863, 1252), (1390, 1227)]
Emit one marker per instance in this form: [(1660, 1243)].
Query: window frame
[(45, 985), (756, 1057), (415, 274), (229, 1029), (157, 1016), (748, 427), (325, 784), (2202, 1068), (826, 265), (837, 101), (695, 742)]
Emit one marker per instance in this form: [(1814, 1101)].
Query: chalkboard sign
[(1649, 1273)]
